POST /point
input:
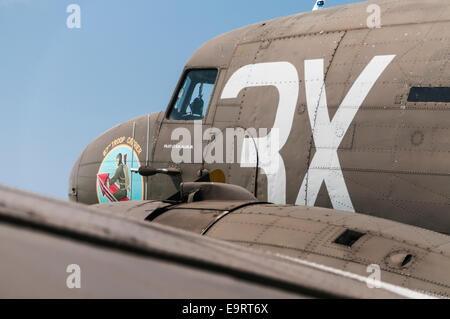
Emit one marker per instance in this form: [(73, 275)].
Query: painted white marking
[(404, 292), (283, 76), (325, 166)]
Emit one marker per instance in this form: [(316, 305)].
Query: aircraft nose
[(73, 181), (126, 144)]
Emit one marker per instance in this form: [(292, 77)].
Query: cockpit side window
[(194, 95)]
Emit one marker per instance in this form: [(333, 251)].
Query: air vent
[(399, 259), (348, 238), (407, 259)]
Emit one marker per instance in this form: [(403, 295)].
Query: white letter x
[(325, 166)]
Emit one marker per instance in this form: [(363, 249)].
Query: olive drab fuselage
[(352, 135)]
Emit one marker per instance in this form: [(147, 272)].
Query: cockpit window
[(194, 96), (429, 94)]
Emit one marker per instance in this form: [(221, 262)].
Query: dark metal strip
[(226, 213)]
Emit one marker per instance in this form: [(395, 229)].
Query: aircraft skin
[(360, 114), (393, 155), (122, 258)]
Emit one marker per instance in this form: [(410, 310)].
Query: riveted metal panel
[(310, 233)]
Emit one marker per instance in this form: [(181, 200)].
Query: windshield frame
[(180, 86)]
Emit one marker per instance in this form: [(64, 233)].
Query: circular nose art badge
[(115, 181)]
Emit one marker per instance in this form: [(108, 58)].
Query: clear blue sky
[(60, 88)]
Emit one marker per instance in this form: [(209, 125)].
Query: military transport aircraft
[(297, 157)]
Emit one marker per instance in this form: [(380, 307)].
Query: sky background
[(60, 88)]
